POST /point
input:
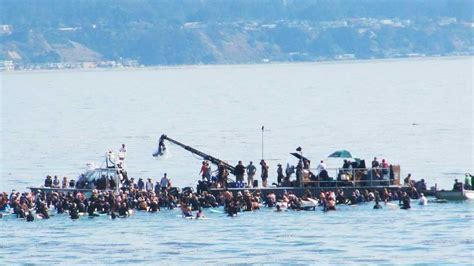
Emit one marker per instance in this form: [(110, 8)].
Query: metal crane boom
[(212, 159)]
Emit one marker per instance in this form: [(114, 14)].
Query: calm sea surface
[(415, 113)]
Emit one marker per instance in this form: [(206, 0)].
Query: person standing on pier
[(204, 171), (56, 182), (48, 182), (65, 182), (164, 182), (375, 163), (141, 184), (264, 173), (149, 185), (280, 176), (122, 152), (239, 172), (251, 170)]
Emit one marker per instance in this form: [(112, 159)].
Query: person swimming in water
[(405, 201), (278, 208), (30, 217), (123, 210), (91, 211), (73, 213), (43, 211), (377, 201), (186, 210), (232, 209), (331, 203), (422, 200), (199, 214)]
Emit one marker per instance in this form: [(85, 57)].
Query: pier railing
[(352, 177)]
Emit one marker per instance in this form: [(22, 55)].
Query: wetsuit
[(30, 217), (73, 213), (42, 210), (20, 213), (123, 211), (406, 203), (91, 210), (153, 207), (340, 199)]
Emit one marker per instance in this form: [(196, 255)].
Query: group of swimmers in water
[(42, 205)]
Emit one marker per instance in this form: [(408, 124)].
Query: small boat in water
[(103, 178), (462, 194)]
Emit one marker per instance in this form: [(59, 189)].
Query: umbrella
[(340, 154)]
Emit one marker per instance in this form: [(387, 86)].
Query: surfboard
[(313, 201)]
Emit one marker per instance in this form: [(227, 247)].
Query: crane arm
[(212, 159)]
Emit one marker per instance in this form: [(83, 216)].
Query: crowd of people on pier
[(351, 173)]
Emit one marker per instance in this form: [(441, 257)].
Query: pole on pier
[(263, 129)]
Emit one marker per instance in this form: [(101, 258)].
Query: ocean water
[(417, 113)]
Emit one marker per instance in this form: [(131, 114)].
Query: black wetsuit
[(377, 205), (153, 207), (91, 210), (20, 213), (232, 209), (30, 217), (42, 210), (340, 199), (123, 211), (74, 213), (353, 200), (377, 200), (406, 203)]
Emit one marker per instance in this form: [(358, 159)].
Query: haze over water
[(417, 113)]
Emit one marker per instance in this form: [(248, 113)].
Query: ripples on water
[(417, 113), (432, 234)]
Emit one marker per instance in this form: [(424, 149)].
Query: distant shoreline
[(274, 63)]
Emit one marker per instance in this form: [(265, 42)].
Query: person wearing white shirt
[(149, 185), (322, 166), (422, 200), (122, 152)]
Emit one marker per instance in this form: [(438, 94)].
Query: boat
[(463, 194), (94, 178)]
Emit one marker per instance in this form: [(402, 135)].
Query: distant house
[(89, 65), (7, 65)]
